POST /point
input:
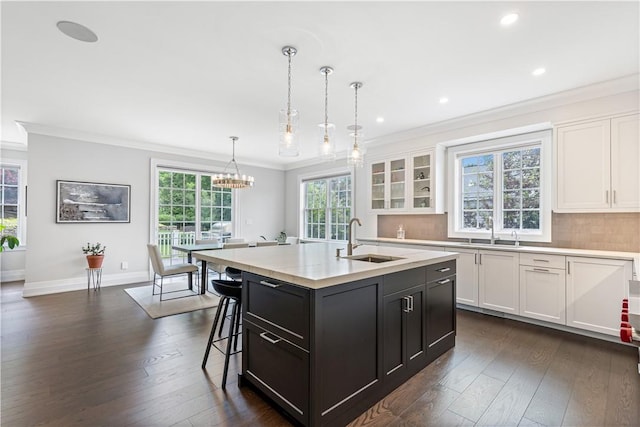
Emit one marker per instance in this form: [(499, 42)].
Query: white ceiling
[(189, 75)]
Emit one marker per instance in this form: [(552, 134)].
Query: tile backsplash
[(598, 231)]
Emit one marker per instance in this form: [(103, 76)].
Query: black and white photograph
[(92, 202)]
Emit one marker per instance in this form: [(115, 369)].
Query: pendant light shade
[(327, 144), (288, 146), (231, 179), (355, 157)]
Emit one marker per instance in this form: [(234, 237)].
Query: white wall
[(54, 261), (553, 109)]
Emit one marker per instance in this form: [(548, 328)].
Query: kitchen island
[(325, 337)]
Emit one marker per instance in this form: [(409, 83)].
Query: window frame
[(496, 147), (326, 175), (174, 166), (21, 164)]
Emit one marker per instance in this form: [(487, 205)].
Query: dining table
[(194, 247)]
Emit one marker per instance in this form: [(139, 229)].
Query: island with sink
[(325, 337)]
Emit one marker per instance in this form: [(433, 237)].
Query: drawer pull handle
[(269, 284), (540, 260), (540, 269), (444, 270), (271, 340), (407, 306), (442, 282)]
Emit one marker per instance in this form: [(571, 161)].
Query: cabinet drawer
[(396, 282), (542, 260), (441, 270), (277, 306), (278, 368)]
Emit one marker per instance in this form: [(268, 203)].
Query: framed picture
[(92, 202)]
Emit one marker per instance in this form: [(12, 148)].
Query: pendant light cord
[(326, 104), (289, 53), (355, 134)]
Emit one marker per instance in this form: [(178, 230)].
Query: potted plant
[(95, 254), (11, 241)]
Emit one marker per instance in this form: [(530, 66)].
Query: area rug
[(155, 308)]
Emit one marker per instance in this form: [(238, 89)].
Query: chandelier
[(289, 117), (327, 143), (356, 157), (229, 180)]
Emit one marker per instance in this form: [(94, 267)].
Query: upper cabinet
[(404, 184), (597, 165)]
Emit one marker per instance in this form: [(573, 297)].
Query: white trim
[(32, 289), (11, 275), (546, 190)]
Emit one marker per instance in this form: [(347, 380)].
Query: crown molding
[(40, 129), (16, 146)]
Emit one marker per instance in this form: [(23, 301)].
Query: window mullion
[(498, 192)]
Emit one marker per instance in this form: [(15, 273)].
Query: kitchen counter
[(628, 256), (326, 337), (315, 265)]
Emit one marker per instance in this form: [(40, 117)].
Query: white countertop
[(627, 256), (315, 266)]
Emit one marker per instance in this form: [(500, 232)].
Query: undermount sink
[(373, 258)]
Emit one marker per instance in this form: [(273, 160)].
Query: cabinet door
[(498, 281), (625, 162), (595, 289), (441, 316), (404, 330), (583, 162), (421, 181), (378, 181), (542, 294), (397, 184), (466, 276)]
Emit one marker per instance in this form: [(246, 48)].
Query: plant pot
[(95, 261)]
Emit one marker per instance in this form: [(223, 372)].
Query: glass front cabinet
[(402, 184)]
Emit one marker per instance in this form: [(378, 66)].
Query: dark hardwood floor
[(96, 359)]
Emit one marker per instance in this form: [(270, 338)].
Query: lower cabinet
[(595, 289), (543, 288), (498, 281), (466, 276), (441, 308), (404, 330)]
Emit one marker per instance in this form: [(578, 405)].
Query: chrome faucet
[(493, 237), (351, 246), (514, 234)]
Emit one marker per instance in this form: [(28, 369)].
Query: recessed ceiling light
[(380, 120), (509, 19), (444, 100), (538, 71), (77, 31)]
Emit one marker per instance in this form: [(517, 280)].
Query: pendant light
[(327, 144), (226, 179), (288, 146), (356, 156)]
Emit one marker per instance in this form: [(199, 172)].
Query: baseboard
[(11, 275), (559, 327), (32, 289)]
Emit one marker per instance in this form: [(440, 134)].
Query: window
[(189, 208), (502, 182), (12, 199), (326, 207)]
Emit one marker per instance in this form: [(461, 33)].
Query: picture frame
[(92, 202)]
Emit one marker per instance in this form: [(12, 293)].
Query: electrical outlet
[(124, 265)]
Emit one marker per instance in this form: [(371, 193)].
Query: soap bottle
[(400, 232)]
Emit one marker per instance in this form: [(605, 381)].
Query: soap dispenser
[(400, 232)]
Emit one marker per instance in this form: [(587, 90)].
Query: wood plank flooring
[(96, 359)]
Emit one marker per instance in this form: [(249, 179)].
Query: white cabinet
[(595, 289), (388, 185), (542, 287), (498, 287), (466, 275), (597, 165), (407, 184)]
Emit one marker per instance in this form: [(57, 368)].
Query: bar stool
[(229, 291), (233, 274)]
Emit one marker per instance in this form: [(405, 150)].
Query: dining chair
[(267, 243), (292, 240), (162, 271), (232, 245), (235, 240)]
